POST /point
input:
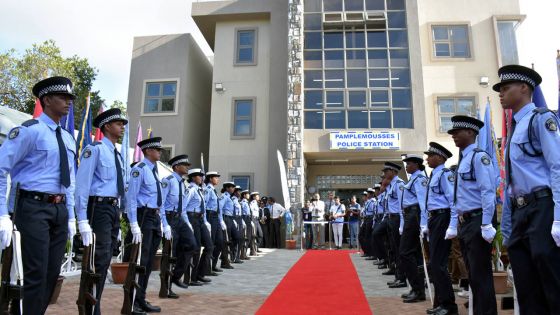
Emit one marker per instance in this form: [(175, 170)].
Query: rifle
[(131, 283), (88, 280), (11, 286), (165, 273)]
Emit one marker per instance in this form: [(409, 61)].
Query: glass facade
[(356, 65)]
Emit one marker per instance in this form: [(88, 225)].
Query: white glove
[(235, 223), (244, 225), (423, 230), (6, 229), (190, 226), (450, 233), (136, 233), (556, 232), (71, 228), (119, 236), (208, 226), (401, 230), (167, 232), (488, 232), (85, 232), (223, 225)]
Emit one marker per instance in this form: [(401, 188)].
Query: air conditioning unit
[(353, 18), (376, 18)]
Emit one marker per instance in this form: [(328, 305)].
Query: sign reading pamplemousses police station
[(365, 140)]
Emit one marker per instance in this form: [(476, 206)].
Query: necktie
[(457, 178), (508, 162), (428, 189), (217, 201), (154, 171), (180, 196), (64, 168), (201, 199), (120, 182)]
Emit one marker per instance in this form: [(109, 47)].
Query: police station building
[(338, 86)]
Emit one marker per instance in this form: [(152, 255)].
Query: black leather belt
[(411, 208), (433, 213), (246, 216), (154, 210), (393, 215), (212, 214), (470, 214), (369, 217), (43, 197), (523, 200), (112, 201), (194, 214), (172, 214)]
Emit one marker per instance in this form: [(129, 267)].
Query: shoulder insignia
[(551, 124), (451, 178), (87, 153), (424, 182), (14, 133), (141, 164), (485, 160), (135, 173), (164, 184), (401, 188), (30, 122)]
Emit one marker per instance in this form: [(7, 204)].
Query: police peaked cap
[(54, 85), (517, 73)]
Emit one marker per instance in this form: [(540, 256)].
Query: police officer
[(175, 220), (531, 221), (239, 225), (413, 204), (39, 156), (197, 217), (97, 196), (474, 202), (227, 208), (246, 217), (379, 231), (215, 218), (254, 206), (361, 231), (367, 226), (144, 202), (276, 213), (435, 220), (266, 223), (394, 221)]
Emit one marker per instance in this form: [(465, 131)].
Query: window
[(451, 41), (451, 106), (160, 97), (245, 47), (243, 181), (243, 118), (166, 154), (508, 42)]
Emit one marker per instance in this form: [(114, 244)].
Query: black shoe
[(399, 284), (148, 308), (196, 284), (383, 266), (448, 311), (364, 256), (245, 258), (172, 295), (389, 272), (204, 280), (137, 310), (392, 282), (212, 274), (227, 267), (238, 262), (380, 262), (433, 310), (259, 251), (415, 297), (180, 284), (406, 295), (216, 269), (370, 258)]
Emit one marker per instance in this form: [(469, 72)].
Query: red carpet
[(321, 282)]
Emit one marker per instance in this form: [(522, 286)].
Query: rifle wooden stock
[(130, 283), (165, 273), (86, 300)]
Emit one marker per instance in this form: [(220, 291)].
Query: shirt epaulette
[(96, 143), (170, 177), (140, 165), (30, 122), (541, 110)]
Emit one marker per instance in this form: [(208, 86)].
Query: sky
[(102, 31)]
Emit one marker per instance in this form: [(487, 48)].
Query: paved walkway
[(244, 289)]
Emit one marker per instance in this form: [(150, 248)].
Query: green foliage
[(18, 74)]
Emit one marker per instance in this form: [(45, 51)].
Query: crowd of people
[(452, 209)]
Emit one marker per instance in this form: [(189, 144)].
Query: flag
[(38, 109), (138, 155), (538, 97), (67, 121), (150, 132), (84, 134), (506, 123), (98, 133), (558, 71), (487, 141), (124, 153)]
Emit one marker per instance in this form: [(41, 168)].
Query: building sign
[(365, 140)]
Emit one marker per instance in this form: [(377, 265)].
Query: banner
[(365, 140)]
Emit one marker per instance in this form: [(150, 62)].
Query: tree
[(19, 74)]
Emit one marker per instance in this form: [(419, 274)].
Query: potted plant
[(289, 223), (119, 269), (499, 274)]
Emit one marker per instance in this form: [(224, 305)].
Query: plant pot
[(500, 282), (157, 262), (57, 289), (290, 244), (119, 271)]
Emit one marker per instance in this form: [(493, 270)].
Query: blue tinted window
[(334, 78), (160, 97), (243, 120), (153, 89), (335, 99), (398, 39), (380, 98), (358, 119), (334, 59), (335, 119), (242, 181), (399, 58), (402, 119), (245, 46), (377, 39), (332, 5), (395, 4), (356, 58), (379, 78), (313, 22), (380, 119), (313, 40), (313, 119), (313, 99), (375, 5), (334, 40), (355, 40), (378, 58), (313, 79), (357, 98), (401, 98), (356, 78), (353, 5), (400, 77), (397, 19)]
